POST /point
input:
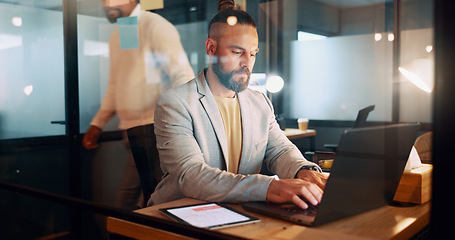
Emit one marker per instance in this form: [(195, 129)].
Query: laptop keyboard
[(311, 210)]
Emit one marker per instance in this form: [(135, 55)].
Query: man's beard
[(113, 19), (226, 78)]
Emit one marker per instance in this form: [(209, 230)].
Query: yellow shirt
[(230, 113)]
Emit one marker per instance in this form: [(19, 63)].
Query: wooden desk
[(295, 133), (383, 223)]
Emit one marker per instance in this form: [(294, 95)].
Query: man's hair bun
[(226, 4)]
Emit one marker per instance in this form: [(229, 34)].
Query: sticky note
[(127, 29), (151, 4)]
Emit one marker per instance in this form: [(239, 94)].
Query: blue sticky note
[(127, 29)]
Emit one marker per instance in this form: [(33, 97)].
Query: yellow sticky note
[(151, 4)]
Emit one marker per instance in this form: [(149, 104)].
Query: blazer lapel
[(247, 128), (211, 108)]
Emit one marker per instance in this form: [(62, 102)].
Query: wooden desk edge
[(416, 226), (295, 133), (138, 231), (408, 222)]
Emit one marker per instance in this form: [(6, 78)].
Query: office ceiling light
[(390, 37), (377, 37)]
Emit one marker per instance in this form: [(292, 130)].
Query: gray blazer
[(193, 149)]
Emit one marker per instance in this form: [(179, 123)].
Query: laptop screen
[(366, 170)]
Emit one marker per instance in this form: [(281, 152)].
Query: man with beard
[(213, 134), (137, 78)]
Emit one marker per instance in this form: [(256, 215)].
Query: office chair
[(142, 142), (319, 156), (424, 146), (360, 121)]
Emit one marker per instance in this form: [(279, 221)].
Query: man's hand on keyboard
[(293, 190), (314, 177)]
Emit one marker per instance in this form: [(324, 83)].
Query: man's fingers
[(312, 193), (317, 192), (300, 192), (299, 202)]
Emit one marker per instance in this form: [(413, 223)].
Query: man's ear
[(210, 46)]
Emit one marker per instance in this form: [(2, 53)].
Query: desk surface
[(383, 223), (294, 133)]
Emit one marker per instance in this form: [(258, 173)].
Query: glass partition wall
[(335, 56), (32, 109), (356, 62)]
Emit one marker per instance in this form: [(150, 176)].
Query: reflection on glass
[(274, 84), (420, 73), (390, 37), (28, 90), (31, 56), (17, 21), (305, 36), (346, 65), (232, 20)]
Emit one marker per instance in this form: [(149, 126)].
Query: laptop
[(362, 116), (360, 121), (365, 174)]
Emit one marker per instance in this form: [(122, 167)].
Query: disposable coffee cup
[(303, 123)]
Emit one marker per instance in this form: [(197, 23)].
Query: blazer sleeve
[(183, 160)]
